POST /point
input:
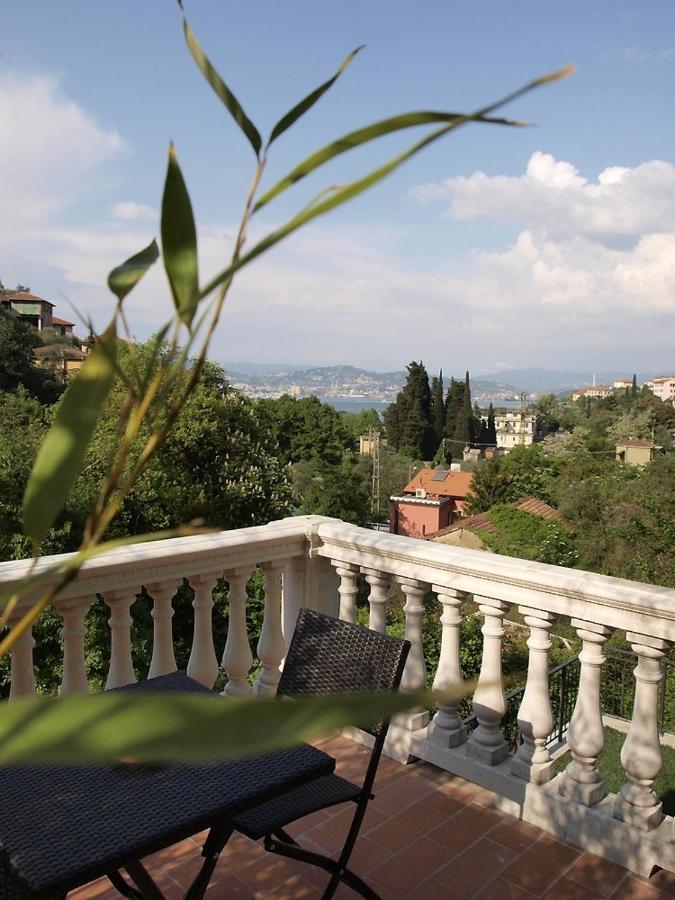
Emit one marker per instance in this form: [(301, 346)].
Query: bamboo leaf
[(334, 197), (182, 728), (308, 102), (179, 242), (62, 453), (224, 94), (126, 276), (363, 136)]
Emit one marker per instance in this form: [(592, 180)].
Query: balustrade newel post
[(271, 645), (73, 612), (378, 599), (203, 662), (415, 671), (533, 762), (163, 659), (237, 656), (486, 742), (121, 669), (447, 728), (637, 803), (581, 780), (347, 589)]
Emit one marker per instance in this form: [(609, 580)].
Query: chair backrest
[(329, 656)]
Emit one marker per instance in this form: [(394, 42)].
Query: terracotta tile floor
[(427, 834)]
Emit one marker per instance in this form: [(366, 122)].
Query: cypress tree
[(438, 407), (633, 389), (464, 427), (491, 428), (453, 405)]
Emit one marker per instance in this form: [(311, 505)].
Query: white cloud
[(128, 211), (50, 148), (553, 196)]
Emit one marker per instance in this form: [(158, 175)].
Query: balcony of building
[(459, 809)]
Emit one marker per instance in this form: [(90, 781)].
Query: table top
[(62, 826)]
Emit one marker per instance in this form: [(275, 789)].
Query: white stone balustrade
[(237, 656), (582, 780), (203, 663), (447, 728), (314, 561)]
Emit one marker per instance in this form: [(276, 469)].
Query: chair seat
[(314, 795)]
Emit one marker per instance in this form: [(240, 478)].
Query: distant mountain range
[(330, 381)]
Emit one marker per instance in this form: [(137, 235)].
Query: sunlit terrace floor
[(427, 835)]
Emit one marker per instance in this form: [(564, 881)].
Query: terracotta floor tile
[(410, 867), (434, 890), (596, 873), (265, 874), (636, 888), (445, 801), (515, 834), (566, 889), (295, 888), (664, 881), (504, 890), (472, 870), (394, 798), (397, 831), (467, 826), (331, 834), (367, 854), (541, 865)]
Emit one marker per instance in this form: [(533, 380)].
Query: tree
[(340, 492), (633, 389), (465, 430), (633, 424), (491, 428), (408, 420), (17, 342), (453, 406), (438, 406), (362, 422), (307, 429)]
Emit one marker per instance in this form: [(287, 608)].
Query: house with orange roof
[(429, 502)]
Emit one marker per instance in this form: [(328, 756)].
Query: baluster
[(636, 803), (581, 780), (73, 612), (447, 728), (121, 669), (486, 742), (415, 671), (271, 646), (163, 659), (203, 662), (237, 656), (23, 678), (347, 589), (535, 718), (378, 599)]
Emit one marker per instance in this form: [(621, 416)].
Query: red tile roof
[(25, 295), (481, 520), (57, 321), (454, 484)]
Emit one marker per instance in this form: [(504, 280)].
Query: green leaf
[(125, 277), (181, 728), (363, 136), (62, 453), (308, 102), (332, 197), (179, 241), (223, 92)]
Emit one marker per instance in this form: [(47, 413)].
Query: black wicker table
[(63, 826)]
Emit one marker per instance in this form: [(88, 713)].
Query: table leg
[(143, 880), (213, 845)]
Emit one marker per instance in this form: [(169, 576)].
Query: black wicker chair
[(329, 656)]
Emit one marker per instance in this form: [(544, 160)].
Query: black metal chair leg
[(123, 887), (213, 846)]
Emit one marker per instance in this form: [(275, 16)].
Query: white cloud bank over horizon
[(587, 282)]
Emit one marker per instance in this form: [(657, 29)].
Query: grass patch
[(613, 774)]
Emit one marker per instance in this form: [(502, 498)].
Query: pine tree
[(438, 407)]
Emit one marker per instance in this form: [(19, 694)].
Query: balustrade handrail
[(602, 599), (169, 559)]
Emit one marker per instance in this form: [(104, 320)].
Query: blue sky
[(549, 246)]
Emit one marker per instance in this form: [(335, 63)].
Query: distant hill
[(547, 381)]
